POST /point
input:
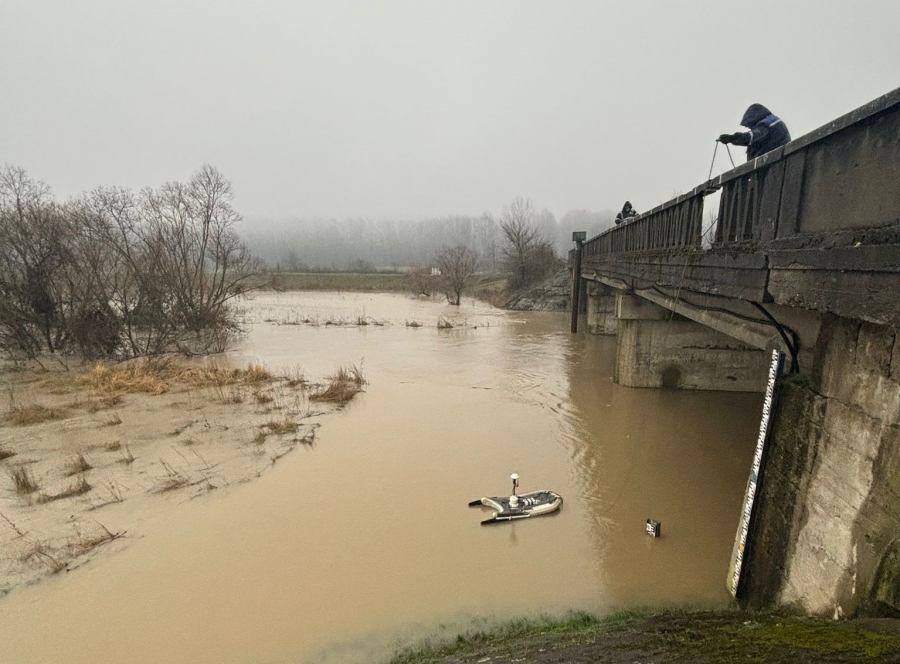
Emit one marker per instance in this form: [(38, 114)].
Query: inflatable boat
[(509, 508)]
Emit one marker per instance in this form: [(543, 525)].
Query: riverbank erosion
[(668, 636), (88, 453)]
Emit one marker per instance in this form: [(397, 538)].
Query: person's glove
[(726, 138)]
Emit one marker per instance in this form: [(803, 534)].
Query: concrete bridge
[(803, 257)]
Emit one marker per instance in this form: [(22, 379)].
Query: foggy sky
[(419, 108)]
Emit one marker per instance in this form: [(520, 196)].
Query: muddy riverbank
[(89, 451), (710, 637)]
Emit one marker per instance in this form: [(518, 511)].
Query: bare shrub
[(421, 281), (457, 265)]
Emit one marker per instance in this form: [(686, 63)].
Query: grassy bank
[(489, 288), (341, 281), (711, 637)]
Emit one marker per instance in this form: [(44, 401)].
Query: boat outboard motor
[(507, 508)]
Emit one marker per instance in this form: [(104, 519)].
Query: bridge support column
[(601, 309), (657, 348)]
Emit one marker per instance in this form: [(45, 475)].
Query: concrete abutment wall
[(825, 536)]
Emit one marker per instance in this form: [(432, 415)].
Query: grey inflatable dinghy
[(508, 508)]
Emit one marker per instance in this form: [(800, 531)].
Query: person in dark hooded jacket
[(627, 213), (767, 132)]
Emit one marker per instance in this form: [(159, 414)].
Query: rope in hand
[(715, 149)]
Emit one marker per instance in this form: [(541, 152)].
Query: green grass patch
[(673, 635)]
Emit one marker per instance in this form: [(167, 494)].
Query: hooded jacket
[(767, 131)]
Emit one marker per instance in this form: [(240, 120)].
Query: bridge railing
[(819, 183), (675, 224)]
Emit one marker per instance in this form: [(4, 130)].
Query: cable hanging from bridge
[(792, 344)]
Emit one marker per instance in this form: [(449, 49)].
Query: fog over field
[(382, 124)]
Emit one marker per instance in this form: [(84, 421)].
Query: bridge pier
[(601, 309), (658, 348)]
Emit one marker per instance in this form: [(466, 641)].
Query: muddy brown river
[(344, 549)]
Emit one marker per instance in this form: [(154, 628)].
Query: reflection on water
[(367, 537)]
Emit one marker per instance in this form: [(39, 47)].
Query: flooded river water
[(365, 538)]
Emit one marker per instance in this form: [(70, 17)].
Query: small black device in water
[(508, 508)]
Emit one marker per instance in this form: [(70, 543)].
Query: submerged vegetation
[(342, 386)]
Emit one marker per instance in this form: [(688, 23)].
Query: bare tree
[(420, 280), (457, 266), (519, 239), (200, 259), (111, 273), (32, 247)]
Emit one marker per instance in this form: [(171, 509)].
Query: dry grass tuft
[(262, 397), (77, 488), (148, 376), (111, 421), (173, 479), (105, 402), (295, 378), (114, 446), (21, 416), (5, 454), (345, 384), (259, 438), (281, 427), (413, 323), (23, 480), (127, 456), (42, 552), (83, 544), (76, 465), (444, 324), (156, 375)]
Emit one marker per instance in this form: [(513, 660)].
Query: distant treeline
[(363, 244)]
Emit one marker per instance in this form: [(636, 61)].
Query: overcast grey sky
[(415, 108)]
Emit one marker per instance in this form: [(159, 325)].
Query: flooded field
[(365, 538)]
